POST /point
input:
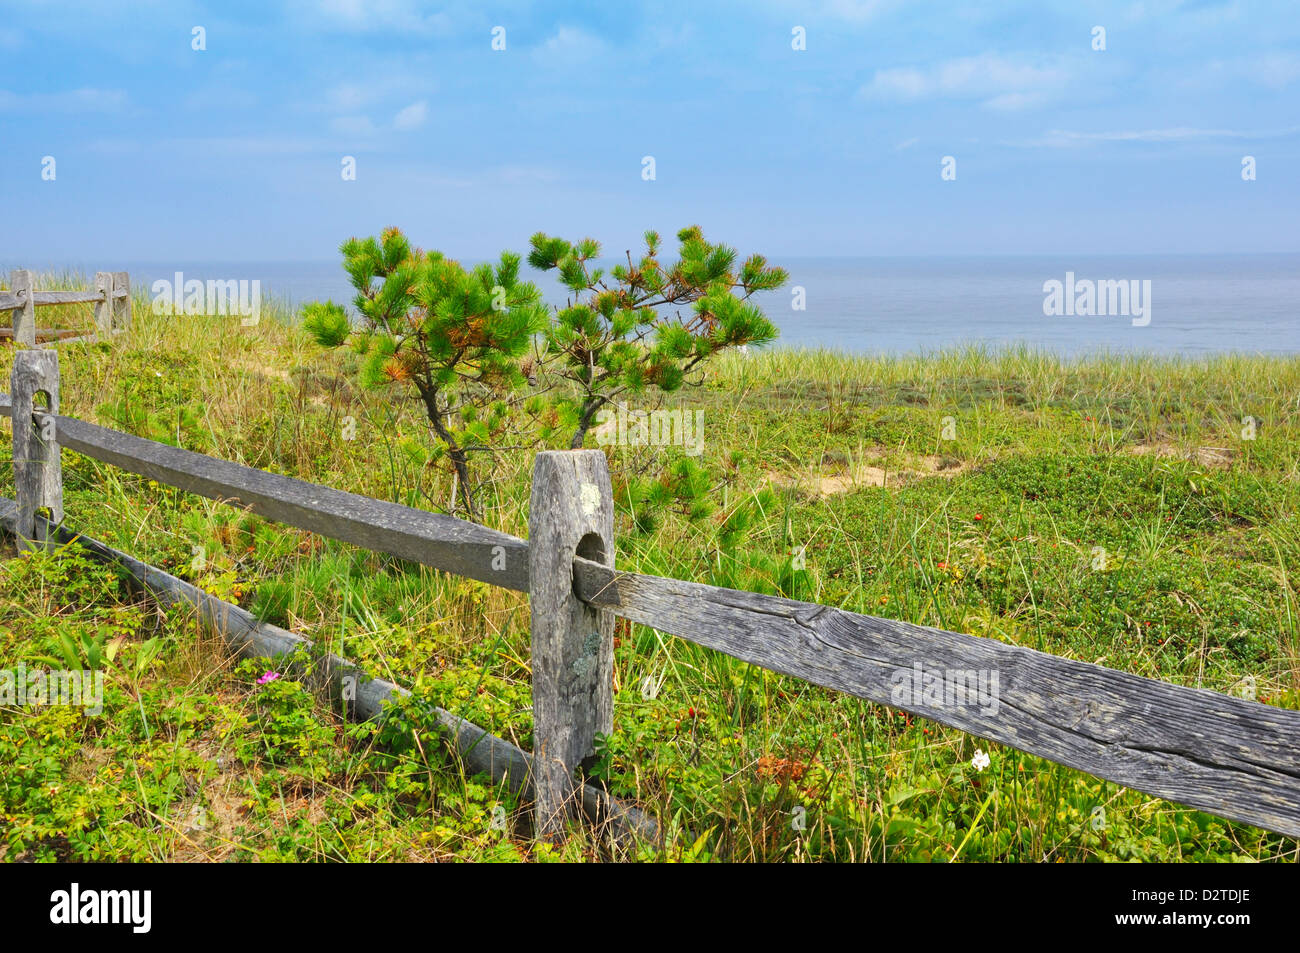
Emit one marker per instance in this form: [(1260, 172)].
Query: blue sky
[(234, 153)]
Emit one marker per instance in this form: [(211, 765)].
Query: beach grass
[(1136, 511)]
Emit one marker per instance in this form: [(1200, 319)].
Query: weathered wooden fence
[(111, 297), (1229, 756)]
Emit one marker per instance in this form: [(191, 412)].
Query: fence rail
[(111, 296), (1229, 756), (365, 697)]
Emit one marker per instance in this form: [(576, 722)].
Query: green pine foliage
[(475, 346), (327, 322), (625, 331), (458, 340)]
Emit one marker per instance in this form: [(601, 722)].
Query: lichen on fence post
[(23, 285), (104, 309), (572, 513), (38, 477), (122, 304)]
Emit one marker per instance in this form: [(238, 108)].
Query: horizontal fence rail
[(1235, 758), (9, 300), (1232, 757), (111, 296), (433, 539), (250, 637)]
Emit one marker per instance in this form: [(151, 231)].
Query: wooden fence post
[(38, 477), (23, 285), (572, 513), (104, 309), (122, 305)]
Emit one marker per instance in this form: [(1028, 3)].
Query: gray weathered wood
[(23, 285), (1235, 758), (362, 697), (38, 477), (433, 539), (40, 299), (572, 512), (45, 298), (104, 307), (121, 300), (44, 334), (1231, 757), (59, 335)]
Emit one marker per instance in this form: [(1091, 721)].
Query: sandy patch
[(266, 370), (1209, 458), (819, 483)]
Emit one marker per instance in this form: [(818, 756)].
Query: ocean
[(1177, 304)]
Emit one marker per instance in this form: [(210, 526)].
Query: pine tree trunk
[(589, 409), (458, 457)]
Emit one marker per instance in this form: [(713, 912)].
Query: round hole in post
[(38, 479), (590, 547), (572, 513)]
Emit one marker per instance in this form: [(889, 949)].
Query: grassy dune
[(1110, 509)]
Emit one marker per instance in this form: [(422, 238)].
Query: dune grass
[(1113, 509)]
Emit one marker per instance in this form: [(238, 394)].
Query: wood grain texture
[(47, 335), (38, 477), (1231, 757), (121, 300), (432, 539), (41, 299), (47, 298), (360, 695), (572, 511), (104, 306), (23, 286)]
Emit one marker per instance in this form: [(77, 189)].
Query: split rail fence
[(111, 296), (1230, 756)]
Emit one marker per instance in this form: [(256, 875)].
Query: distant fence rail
[(111, 296), (1233, 757)]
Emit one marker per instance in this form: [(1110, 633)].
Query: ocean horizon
[(1191, 305)]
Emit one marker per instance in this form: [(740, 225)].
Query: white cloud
[(1000, 82), (858, 10), (897, 84), (247, 145), (214, 97), (1275, 70), (500, 176), (1012, 102), (571, 43), (412, 117), (522, 175), (73, 100), (352, 125), (1062, 138), (348, 96), (378, 92), (113, 146), (366, 16)]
